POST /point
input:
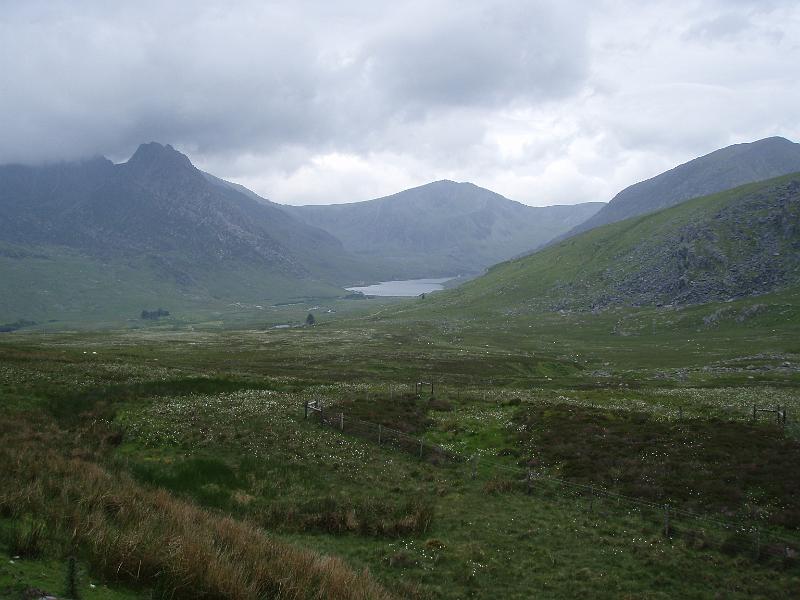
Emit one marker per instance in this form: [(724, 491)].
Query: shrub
[(369, 517), (440, 404), (27, 538), (498, 485), (154, 315)]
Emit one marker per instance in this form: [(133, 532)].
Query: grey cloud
[(481, 55), (721, 27), (88, 78), (543, 100)]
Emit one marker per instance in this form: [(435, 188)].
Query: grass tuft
[(148, 537)]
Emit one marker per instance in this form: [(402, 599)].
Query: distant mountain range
[(159, 205), (98, 236), (98, 240), (442, 228), (738, 243), (715, 172)]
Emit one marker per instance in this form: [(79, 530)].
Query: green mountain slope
[(738, 243), (720, 170), (442, 228), (42, 283)]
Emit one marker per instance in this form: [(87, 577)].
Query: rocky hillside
[(154, 226), (157, 203), (734, 244), (442, 228), (721, 170)]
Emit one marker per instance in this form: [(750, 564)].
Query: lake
[(407, 287)]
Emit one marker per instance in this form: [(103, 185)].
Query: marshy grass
[(148, 537)]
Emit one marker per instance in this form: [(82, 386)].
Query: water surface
[(406, 287)]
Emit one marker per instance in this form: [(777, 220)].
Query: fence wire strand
[(743, 537)]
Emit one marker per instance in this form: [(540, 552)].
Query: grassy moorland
[(174, 461)]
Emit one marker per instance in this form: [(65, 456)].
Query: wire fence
[(780, 418), (701, 532)]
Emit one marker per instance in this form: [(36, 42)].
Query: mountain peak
[(775, 139), (449, 183), (153, 153)]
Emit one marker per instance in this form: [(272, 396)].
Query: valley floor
[(175, 461)]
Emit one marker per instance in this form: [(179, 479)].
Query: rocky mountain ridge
[(717, 171), (159, 205)]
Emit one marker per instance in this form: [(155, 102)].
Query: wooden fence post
[(754, 412), (306, 407), (341, 421), (757, 543), (420, 448), (530, 482), (474, 466), (591, 498), (380, 432)]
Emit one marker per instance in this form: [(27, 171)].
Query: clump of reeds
[(370, 516), (146, 536)]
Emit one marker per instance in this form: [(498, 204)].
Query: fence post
[(680, 413), (420, 448), (321, 415), (380, 432), (754, 412), (341, 421), (474, 466), (666, 520), (757, 543), (591, 498)]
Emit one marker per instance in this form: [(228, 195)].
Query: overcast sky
[(317, 101)]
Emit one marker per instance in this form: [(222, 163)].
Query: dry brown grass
[(149, 537)]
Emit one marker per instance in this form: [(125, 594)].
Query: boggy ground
[(178, 463)]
